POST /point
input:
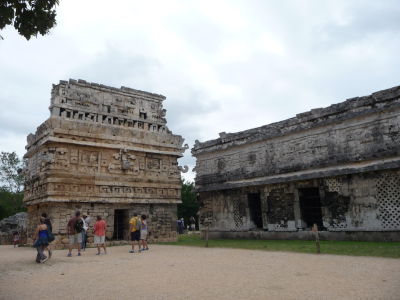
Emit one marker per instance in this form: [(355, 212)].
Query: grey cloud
[(370, 18), (116, 68), (201, 33)]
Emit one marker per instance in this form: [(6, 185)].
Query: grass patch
[(378, 249)]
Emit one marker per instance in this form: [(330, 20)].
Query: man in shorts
[(100, 234), (134, 229), (74, 231)]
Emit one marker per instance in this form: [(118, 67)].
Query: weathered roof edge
[(315, 117), (123, 89)]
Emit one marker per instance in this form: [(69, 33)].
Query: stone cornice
[(336, 113), (344, 169)]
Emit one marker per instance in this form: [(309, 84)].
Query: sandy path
[(171, 272)]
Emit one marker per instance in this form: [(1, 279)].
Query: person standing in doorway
[(134, 229), (74, 231), (99, 231)]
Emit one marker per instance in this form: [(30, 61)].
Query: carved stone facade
[(105, 151), (338, 167)]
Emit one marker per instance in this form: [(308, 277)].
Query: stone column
[(296, 207)]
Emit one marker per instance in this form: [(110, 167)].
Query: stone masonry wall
[(330, 140), (358, 202), (161, 219)]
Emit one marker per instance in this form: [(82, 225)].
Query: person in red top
[(100, 234)]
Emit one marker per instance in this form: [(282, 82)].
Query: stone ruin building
[(106, 151), (337, 167)]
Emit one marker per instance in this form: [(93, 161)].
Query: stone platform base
[(367, 236), (89, 245)]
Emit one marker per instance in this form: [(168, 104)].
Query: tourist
[(192, 222), (134, 229), (47, 221), (99, 231), (74, 231), (84, 232), (183, 225), (88, 219), (143, 233), (16, 239), (41, 240), (180, 226)]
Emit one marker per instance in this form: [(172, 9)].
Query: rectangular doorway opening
[(121, 226), (310, 206), (255, 209)]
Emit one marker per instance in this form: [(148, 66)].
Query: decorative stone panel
[(388, 196)]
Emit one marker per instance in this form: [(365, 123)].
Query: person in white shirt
[(86, 223)]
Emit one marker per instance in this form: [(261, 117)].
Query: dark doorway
[(121, 224), (255, 209), (310, 206)]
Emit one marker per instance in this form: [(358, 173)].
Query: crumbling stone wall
[(359, 129), (366, 202)]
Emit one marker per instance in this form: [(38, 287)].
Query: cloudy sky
[(223, 65)]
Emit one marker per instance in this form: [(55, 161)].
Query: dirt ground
[(172, 272)]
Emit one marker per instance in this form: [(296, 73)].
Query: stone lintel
[(49, 139), (113, 138), (91, 200), (129, 184)]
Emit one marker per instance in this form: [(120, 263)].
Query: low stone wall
[(9, 225)]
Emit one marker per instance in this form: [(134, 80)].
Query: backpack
[(137, 224), (78, 226), (50, 236)]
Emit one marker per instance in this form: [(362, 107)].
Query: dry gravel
[(172, 272)]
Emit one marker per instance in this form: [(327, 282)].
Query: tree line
[(11, 184)]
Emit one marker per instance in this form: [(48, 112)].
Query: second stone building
[(337, 167)]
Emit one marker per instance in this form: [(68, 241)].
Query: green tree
[(11, 178), (189, 206), (10, 203), (11, 184), (29, 17)]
